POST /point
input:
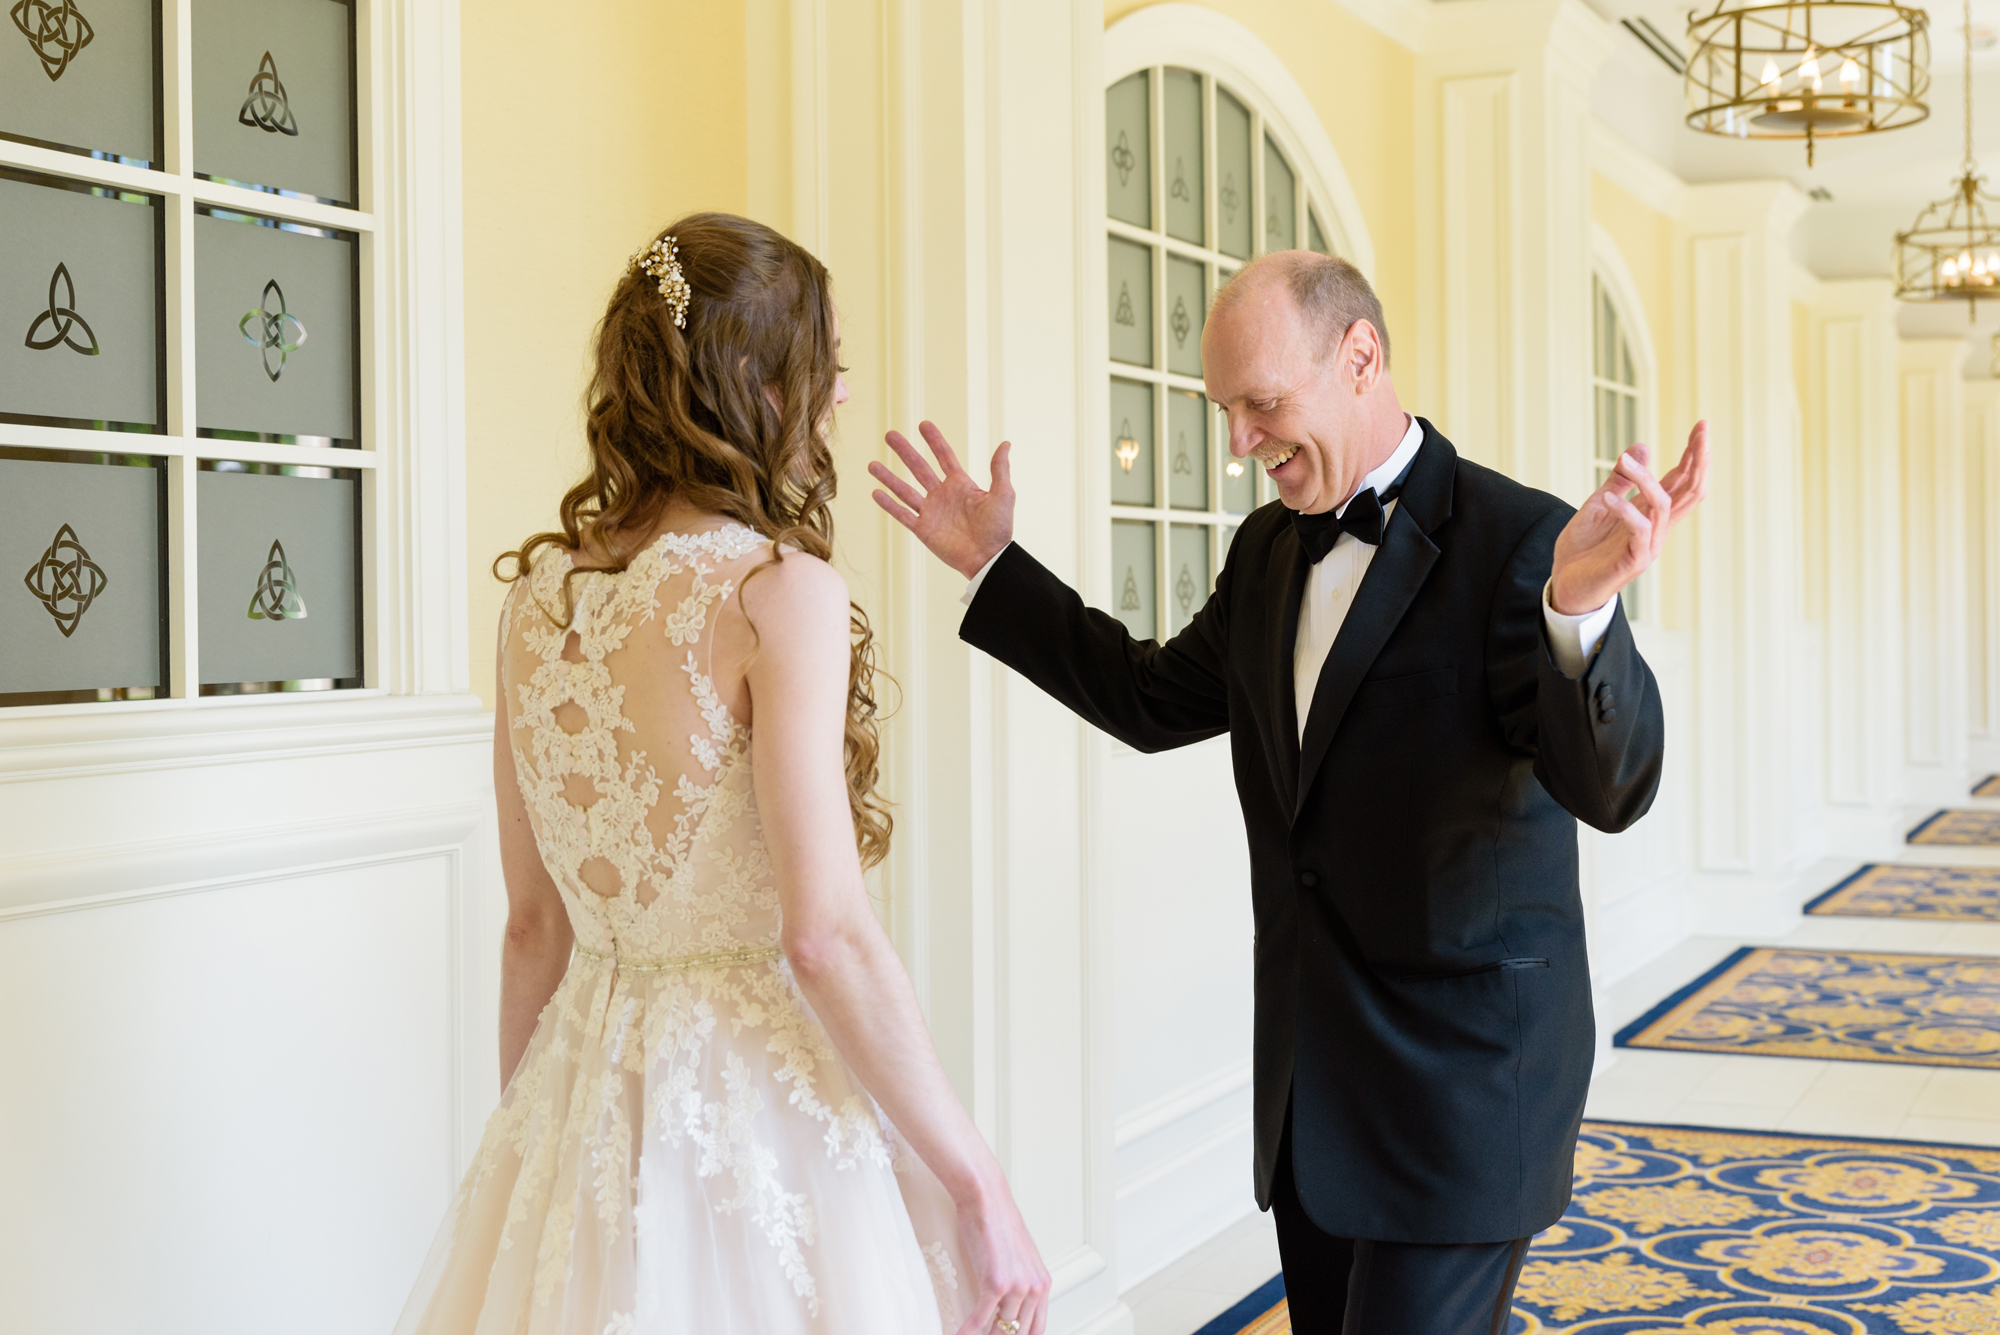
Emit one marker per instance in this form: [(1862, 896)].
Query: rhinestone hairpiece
[(661, 261)]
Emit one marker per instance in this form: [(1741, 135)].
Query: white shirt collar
[(1392, 467)]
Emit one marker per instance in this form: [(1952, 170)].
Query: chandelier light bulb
[(1850, 75), (1770, 77), (1809, 71)]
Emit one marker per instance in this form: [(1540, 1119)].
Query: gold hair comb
[(661, 261)]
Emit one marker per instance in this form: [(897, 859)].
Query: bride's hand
[(1010, 1283), (963, 525)]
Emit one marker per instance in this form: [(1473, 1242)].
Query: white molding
[(1200, 38), (1619, 161), (1608, 262), (1184, 1102), (1404, 22)]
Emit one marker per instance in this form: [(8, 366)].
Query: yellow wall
[(1363, 86), (582, 138)]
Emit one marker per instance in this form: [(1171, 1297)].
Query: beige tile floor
[(1699, 1089)]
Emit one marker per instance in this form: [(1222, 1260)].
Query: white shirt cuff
[(1572, 639), (972, 589)]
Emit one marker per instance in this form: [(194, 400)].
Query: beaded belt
[(683, 963)]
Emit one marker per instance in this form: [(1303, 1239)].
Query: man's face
[(1290, 409)]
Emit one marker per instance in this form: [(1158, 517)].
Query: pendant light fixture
[(1807, 69), (1952, 253)]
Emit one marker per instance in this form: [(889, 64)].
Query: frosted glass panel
[(1315, 234), (1232, 175), (1187, 573), (1187, 450), (1187, 304), (81, 589), (1183, 156), (82, 75), (274, 95), (1132, 577), (1239, 483), (1131, 443), (79, 305), (1131, 283), (1281, 201), (1128, 156), (275, 327), (280, 577)]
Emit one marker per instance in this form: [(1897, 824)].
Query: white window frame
[(411, 366), (1610, 273), (1225, 54)]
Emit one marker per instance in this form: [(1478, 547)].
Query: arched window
[(1197, 180), (1617, 398)]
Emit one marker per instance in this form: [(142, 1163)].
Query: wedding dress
[(681, 1150)]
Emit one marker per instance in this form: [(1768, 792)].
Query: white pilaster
[(1982, 565), (1747, 605), (1935, 749)]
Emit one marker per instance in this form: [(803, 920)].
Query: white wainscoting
[(1184, 1172), (249, 955)]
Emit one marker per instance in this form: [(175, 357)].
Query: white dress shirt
[(1331, 586)]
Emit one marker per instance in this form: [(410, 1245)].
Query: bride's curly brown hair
[(730, 415)]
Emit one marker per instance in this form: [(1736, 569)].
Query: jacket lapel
[(1386, 592), (1289, 571)]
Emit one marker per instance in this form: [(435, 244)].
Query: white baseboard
[(1184, 1172)]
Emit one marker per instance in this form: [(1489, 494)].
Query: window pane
[(1232, 169), (274, 95), (1281, 204), (1183, 158), (1315, 234), (81, 552), (280, 576), (1187, 461), (1628, 421), (1128, 156), (1625, 372), (1227, 536), (80, 291), (1187, 304), (1607, 341), (1131, 271), (1132, 567), (82, 76), (1239, 484), (275, 330), (1131, 443), (1187, 568), (1606, 426)]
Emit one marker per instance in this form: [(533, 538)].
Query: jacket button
[(1308, 879), (1606, 715)]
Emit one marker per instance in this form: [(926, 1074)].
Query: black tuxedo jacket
[(1423, 997)]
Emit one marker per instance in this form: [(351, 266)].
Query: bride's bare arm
[(538, 932), (842, 959)]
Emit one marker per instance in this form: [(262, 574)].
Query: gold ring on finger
[(1006, 1327)]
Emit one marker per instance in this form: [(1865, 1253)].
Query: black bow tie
[(1363, 519)]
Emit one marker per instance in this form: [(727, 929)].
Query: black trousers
[(1352, 1286)]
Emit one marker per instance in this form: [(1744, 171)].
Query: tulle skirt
[(681, 1150)]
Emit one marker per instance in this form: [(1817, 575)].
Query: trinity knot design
[(1180, 190), (1182, 324), (1128, 600), (267, 108), (1125, 314), (278, 330), (1184, 591), (66, 581), (1182, 463), (64, 324), (56, 32), (277, 596), (1123, 158), (1227, 197)]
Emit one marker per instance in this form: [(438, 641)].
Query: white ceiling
[(1879, 182)]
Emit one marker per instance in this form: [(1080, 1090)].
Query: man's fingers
[(1658, 504), (905, 493), (946, 456), (906, 518), (913, 459)]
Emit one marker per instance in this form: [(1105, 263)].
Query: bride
[(723, 1114)]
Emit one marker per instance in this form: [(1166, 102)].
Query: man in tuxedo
[(1427, 681)]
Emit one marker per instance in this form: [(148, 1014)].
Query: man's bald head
[(1330, 293)]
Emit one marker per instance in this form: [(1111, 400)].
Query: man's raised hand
[(1612, 540), (964, 526)]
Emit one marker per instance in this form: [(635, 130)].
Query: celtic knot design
[(66, 581), (1128, 600), (1182, 463), (267, 108), (1182, 323), (1180, 187), (1123, 159), (1228, 197), (270, 336), (56, 32), (1125, 314), (277, 596), (1184, 591), (62, 318)]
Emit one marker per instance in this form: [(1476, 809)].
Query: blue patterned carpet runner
[(1849, 1005), (1987, 787), (1896, 890), (1959, 826), (1681, 1231)]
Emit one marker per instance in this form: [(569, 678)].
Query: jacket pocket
[(1497, 966), (1389, 692)]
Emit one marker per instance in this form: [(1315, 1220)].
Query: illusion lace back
[(680, 1149)]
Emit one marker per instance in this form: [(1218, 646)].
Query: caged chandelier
[(1952, 253), (1807, 69)]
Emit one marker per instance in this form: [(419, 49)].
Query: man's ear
[(1364, 355)]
